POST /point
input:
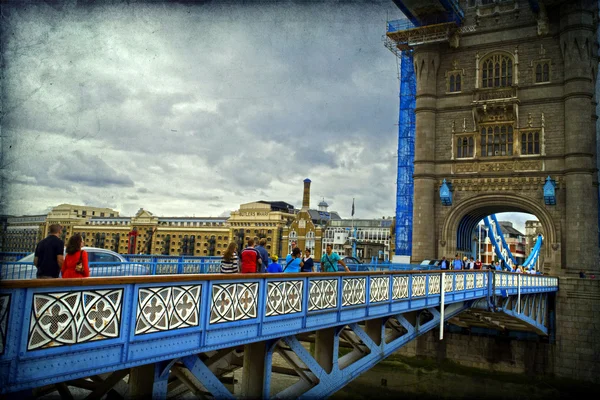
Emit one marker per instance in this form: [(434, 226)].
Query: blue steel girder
[(341, 373), (85, 327), (423, 12), (497, 238)]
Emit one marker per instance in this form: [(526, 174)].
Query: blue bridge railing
[(83, 327), (135, 267)]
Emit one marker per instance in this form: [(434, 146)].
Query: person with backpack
[(330, 259), (296, 262)]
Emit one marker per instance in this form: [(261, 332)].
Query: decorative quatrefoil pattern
[(4, 307), (284, 297), (434, 284), (418, 285), (379, 289), (233, 302), (479, 281), (470, 281), (460, 282), (354, 291), (400, 287), (448, 278), (67, 318), (167, 307), (323, 294)]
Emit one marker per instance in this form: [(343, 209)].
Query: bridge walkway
[(196, 327)]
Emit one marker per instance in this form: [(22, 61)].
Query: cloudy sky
[(191, 109)]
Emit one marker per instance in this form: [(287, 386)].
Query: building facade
[(261, 219), (373, 237), (501, 104), (21, 234), (532, 230), (145, 233), (307, 228), (516, 241)]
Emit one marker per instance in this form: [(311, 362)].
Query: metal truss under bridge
[(164, 334)]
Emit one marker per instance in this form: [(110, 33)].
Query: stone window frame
[(541, 63), (497, 72), (460, 138), (454, 82), (480, 60), (529, 131), (456, 73), (508, 124)]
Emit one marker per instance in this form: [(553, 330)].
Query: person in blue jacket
[(294, 265), (457, 263), (274, 267)]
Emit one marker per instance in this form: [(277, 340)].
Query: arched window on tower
[(497, 71), (542, 71), (464, 147)]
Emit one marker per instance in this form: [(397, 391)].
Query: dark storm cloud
[(88, 170), (211, 104)]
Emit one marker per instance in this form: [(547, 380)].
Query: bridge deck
[(53, 330)]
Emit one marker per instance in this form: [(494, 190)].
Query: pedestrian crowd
[(469, 263), (255, 259)]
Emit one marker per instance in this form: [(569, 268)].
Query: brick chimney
[(306, 195)]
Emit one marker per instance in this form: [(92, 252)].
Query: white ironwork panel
[(379, 289), (233, 302), (354, 291), (479, 280), (434, 284), (68, 318), (448, 278), (323, 294), (470, 281), (400, 287), (418, 285), (460, 282), (165, 308), (284, 297)]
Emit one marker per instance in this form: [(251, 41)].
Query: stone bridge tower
[(504, 102)]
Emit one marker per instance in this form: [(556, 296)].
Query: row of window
[(84, 213), (497, 71), (256, 231), (253, 224), (498, 141)]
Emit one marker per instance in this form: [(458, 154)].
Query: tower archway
[(460, 223)]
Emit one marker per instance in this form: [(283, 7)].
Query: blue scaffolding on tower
[(406, 156), (434, 22)]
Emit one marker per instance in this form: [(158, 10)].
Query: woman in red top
[(76, 261)]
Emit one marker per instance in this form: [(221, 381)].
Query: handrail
[(92, 281)]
